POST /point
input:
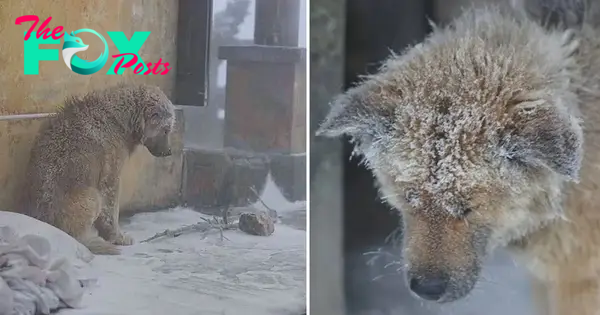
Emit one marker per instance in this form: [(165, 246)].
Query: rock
[(235, 212), (256, 224)]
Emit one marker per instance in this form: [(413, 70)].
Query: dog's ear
[(545, 135), (360, 116)]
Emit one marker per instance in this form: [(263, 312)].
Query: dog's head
[(158, 119), (470, 136)]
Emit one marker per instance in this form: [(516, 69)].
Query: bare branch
[(205, 227)]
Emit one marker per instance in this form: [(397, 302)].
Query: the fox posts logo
[(127, 58), (73, 45)]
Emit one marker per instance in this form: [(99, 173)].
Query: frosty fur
[(485, 135), (73, 176)]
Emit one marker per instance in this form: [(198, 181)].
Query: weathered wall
[(147, 182), (327, 41), (16, 138)]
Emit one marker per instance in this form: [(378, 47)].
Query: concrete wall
[(147, 182), (327, 42)]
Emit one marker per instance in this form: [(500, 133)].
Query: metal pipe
[(40, 115), (25, 116)]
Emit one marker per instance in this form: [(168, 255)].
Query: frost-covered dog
[(75, 168), (487, 134)]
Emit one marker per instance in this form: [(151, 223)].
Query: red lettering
[(138, 68), (128, 64), (28, 18), (167, 69), (156, 65), (57, 30), (44, 30), (149, 69)]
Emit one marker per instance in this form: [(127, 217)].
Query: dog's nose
[(429, 288)]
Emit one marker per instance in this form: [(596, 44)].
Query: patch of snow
[(199, 274), (274, 199), (62, 245)]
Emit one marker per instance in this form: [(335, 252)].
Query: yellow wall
[(147, 182)]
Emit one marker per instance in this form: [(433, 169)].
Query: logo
[(128, 56), (74, 45)]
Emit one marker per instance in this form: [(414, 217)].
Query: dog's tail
[(99, 246)]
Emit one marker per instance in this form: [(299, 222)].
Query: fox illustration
[(71, 46), (486, 135)]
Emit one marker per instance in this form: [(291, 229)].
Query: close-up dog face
[(471, 144), (159, 119)]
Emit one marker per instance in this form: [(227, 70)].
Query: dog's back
[(66, 155)]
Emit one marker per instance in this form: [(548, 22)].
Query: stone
[(235, 212), (259, 224)]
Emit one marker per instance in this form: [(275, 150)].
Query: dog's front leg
[(107, 223)]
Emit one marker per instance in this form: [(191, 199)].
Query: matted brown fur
[(486, 135), (74, 170)]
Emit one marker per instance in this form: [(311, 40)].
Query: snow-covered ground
[(194, 273), (189, 274)]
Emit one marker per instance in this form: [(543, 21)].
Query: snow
[(274, 199), (191, 274), (62, 245)]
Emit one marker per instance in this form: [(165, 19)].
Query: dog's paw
[(123, 239)]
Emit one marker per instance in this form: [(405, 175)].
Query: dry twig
[(206, 227)]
